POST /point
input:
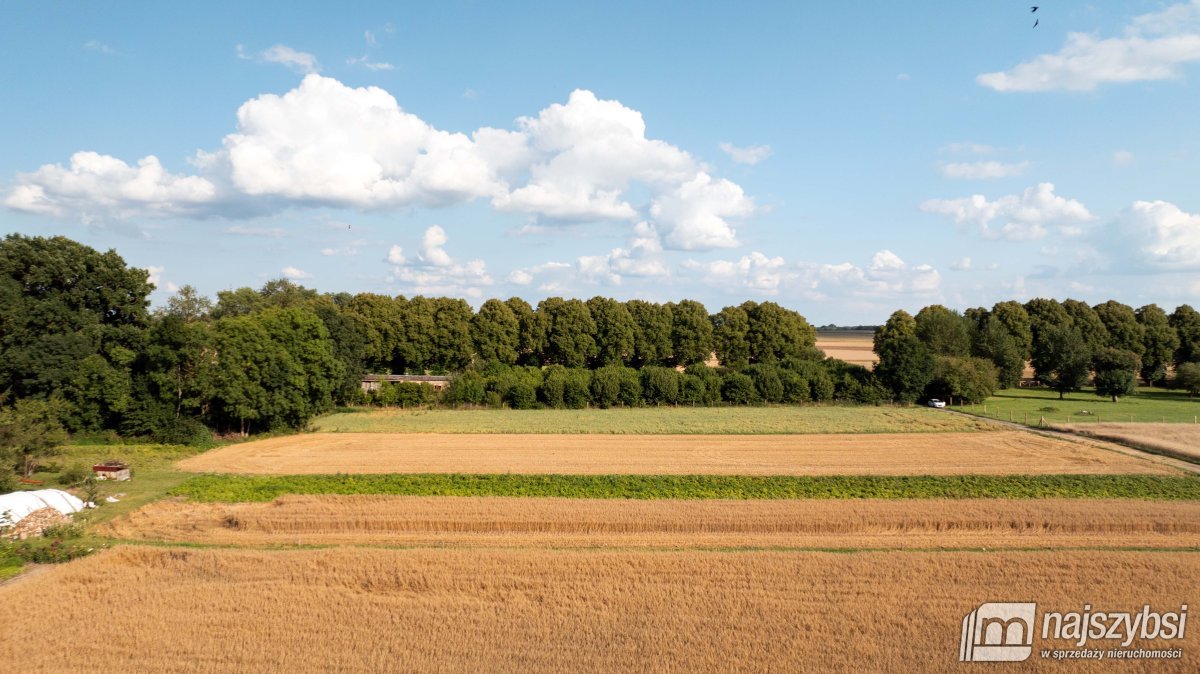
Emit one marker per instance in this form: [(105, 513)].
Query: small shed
[(111, 470)]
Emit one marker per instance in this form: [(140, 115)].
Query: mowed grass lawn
[(656, 421), (1149, 405)]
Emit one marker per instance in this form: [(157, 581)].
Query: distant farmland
[(852, 346), (992, 453)]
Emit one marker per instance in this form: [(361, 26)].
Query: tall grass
[(233, 488)]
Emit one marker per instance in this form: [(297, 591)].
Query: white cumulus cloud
[(295, 274), (1154, 47), (435, 272), (1158, 235), (1016, 217)]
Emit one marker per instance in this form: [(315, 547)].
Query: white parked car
[(934, 402)]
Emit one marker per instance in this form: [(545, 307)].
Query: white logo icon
[(998, 632)]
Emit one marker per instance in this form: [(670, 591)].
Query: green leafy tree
[(188, 304), (496, 331), (30, 433), (1186, 322), (381, 323), (1116, 373), (606, 386), (1187, 377), (1015, 319), (767, 382), (731, 328), (71, 321), (995, 343), (1124, 331), (943, 332), (1161, 342), (615, 331), (775, 333), (691, 333), (1043, 315), (899, 324), (1088, 323), (660, 385), (972, 380), (652, 332), (1063, 360), (531, 334), (905, 367), (452, 346), (739, 389), (569, 333)]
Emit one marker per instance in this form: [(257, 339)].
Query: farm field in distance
[(982, 453), (555, 610), (853, 346), (1177, 439), (655, 421)]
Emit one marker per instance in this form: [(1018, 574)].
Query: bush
[(554, 385), (795, 387), (1187, 377), (766, 382), (468, 388), (631, 387), (739, 389), (576, 392), (660, 385), (73, 475), (522, 396), (693, 391), (606, 386)]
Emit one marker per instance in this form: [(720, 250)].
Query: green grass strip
[(243, 488)]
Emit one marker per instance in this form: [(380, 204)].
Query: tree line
[(80, 351), (940, 352)]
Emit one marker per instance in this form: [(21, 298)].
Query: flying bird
[(1036, 22), (1033, 9)]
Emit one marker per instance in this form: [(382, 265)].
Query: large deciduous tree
[(1124, 331), (615, 331), (775, 333), (1161, 342), (569, 332), (1186, 322), (1062, 358), (905, 364), (652, 332), (731, 327), (1087, 321), (496, 331), (944, 332), (691, 333), (1116, 373)]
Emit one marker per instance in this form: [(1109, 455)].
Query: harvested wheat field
[(559, 522), (353, 609), (1182, 440), (995, 453), (853, 347)]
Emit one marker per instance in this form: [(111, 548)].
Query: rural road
[(1180, 464)]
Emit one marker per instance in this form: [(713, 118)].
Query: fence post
[(1027, 418)]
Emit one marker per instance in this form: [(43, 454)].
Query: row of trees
[(940, 352), (76, 332)]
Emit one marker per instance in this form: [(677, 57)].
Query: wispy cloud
[(300, 61), (270, 232), (97, 46), (751, 154), (982, 170), (1155, 46)]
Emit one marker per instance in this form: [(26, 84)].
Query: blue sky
[(843, 159)]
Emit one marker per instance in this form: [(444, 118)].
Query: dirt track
[(995, 453), (560, 523)]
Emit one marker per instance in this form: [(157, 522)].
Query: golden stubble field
[(1179, 439), (980, 453), (853, 347), (561, 523), (153, 609)]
